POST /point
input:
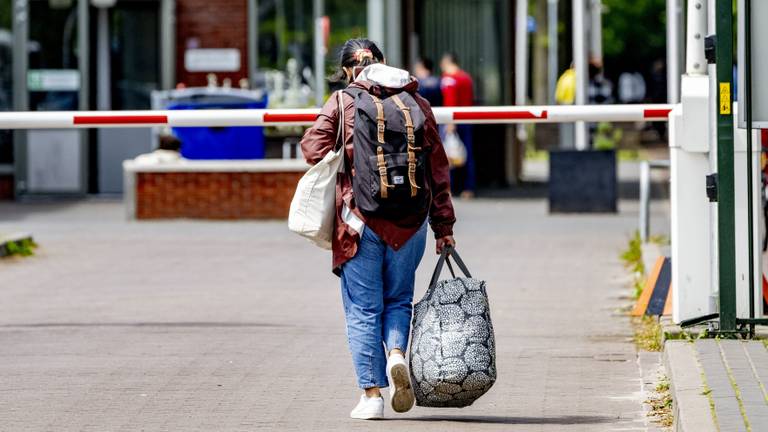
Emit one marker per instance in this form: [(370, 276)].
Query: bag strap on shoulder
[(381, 163), (445, 255), (342, 120), (411, 139)]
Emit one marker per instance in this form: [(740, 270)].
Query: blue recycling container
[(231, 142)]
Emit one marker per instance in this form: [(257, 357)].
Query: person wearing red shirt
[(456, 86)]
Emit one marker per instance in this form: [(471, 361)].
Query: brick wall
[(215, 24), (6, 187), (225, 195)]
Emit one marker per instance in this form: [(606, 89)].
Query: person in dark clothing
[(429, 84)]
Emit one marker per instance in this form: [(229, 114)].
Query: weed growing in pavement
[(648, 333), (661, 403), (24, 247), (632, 257)]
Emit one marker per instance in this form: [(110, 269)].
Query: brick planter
[(211, 189)]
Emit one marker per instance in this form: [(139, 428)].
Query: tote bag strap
[(340, 133), (341, 129), (445, 257)]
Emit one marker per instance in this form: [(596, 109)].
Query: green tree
[(634, 34)]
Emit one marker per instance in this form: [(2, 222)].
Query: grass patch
[(24, 247), (648, 333), (661, 404), (632, 257)]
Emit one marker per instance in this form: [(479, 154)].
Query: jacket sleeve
[(319, 139), (441, 215)]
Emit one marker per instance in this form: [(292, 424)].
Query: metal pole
[(750, 204), (552, 66), (521, 59), (20, 93), (645, 200), (726, 202), (695, 63), (83, 55), (673, 51), (376, 22), (580, 63), (394, 43), (596, 30), (319, 53), (103, 59), (168, 44), (253, 41)]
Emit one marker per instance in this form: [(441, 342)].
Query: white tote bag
[(313, 207), (455, 150)]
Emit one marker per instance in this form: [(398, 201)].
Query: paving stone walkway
[(736, 373), (213, 326)]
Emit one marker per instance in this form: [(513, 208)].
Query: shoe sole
[(372, 417), (402, 397)]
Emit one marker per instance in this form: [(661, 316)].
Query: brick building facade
[(211, 24)]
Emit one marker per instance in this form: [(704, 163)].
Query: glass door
[(52, 160), (126, 70)]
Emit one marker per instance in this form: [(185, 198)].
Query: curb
[(5, 239), (691, 407)]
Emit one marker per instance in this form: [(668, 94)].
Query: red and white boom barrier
[(304, 117)]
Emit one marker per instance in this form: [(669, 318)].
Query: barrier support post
[(725, 157)]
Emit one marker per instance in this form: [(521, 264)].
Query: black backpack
[(390, 164)]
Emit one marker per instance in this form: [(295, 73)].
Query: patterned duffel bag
[(453, 356)]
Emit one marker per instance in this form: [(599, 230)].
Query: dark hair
[(450, 55), (427, 63), (169, 142), (348, 57)]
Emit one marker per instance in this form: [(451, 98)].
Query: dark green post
[(726, 207)]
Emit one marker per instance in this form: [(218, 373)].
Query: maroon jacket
[(320, 139)]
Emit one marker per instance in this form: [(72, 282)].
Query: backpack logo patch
[(398, 180)]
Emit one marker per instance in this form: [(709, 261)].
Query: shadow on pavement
[(558, 420), (192, 324)]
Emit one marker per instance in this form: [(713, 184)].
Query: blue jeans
[(377, 292)]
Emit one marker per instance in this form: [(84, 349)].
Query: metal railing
[(645, 195)]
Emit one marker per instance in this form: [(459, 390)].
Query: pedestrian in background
[(429, 84), (377, 256), (600, 90), (631, 87), (456, 85)]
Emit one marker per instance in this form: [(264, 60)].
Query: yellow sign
[(725, 98)]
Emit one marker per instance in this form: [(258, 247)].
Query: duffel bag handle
[(445, 257)]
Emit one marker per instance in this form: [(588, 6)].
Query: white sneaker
[(368, 408), (400, 392)]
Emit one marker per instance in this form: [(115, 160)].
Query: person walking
[(429, 84), (379, 238), (456, 85)]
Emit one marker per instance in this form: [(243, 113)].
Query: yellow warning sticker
[(725, 98)]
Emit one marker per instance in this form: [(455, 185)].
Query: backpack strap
[(411, 139), (381, 163), (380, 126)]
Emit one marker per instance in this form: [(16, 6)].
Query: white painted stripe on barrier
[(305, 117)]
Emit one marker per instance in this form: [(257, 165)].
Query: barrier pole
[(305, 117)]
